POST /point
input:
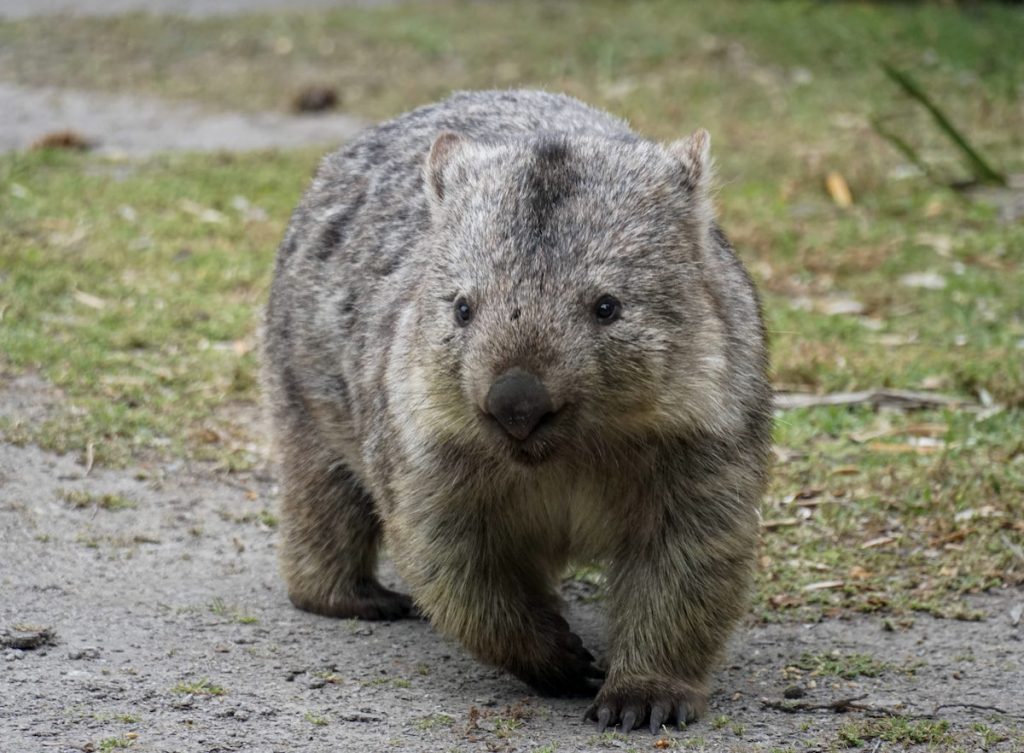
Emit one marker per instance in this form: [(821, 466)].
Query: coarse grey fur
[(523, 210)]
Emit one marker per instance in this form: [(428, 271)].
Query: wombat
[(505, 333)]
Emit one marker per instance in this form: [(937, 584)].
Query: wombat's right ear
[(445, 146), (694, 154)]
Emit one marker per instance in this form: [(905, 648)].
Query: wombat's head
[(565, 309)]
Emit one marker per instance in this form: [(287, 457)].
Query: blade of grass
[(907, 151), (982, 170)]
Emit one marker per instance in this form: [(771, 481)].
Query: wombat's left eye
[(463, 313), (607, 309)]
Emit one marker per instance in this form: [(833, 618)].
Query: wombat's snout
[(519, 401)]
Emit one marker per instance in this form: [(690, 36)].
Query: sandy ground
[(134, 125), (142, 605), (194, 8)]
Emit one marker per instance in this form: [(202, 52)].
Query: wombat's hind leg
[(330, 538)]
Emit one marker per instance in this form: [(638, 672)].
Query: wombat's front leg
[(676, 590), (330, 535), (473, 582)]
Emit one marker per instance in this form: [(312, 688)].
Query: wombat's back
[(379, 175)]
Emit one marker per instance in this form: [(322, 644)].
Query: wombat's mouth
[(544, 442)]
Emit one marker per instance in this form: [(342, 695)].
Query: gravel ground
[(163, 625)]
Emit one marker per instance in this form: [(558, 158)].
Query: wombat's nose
[(518, 400)]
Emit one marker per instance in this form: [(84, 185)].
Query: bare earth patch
[(169, 629), (194, 8), (138, 125)]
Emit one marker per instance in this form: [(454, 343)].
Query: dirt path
[(160, 587), (195, 8), (129, 124)]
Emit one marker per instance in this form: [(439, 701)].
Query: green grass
[(896, 729), (114, 743), (315, 718), (119, 288), (82, 499), (434, 721), (849, 667), (219, 608), (198, 687), (147, 324)]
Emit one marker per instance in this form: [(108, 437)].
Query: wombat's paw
[(367, 602), (629, 703), (564, 667)]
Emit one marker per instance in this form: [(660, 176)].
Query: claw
[(603, 717), (658, 715), (628, 721), (686, 713)]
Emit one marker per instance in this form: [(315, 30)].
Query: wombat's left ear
[(444, 148), (694, 153)]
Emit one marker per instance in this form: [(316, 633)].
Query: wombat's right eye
[(607, 309), (463, 313)]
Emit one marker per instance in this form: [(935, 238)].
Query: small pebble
[(794, 691), (84, 653)]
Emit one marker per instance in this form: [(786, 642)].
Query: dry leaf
[(89, 300), (846, 470), (785, 454), (66, 139), (779, 523), (880, 541), (90, 456), (204, 214), (925, 430), (893, 340), (838, 189), (985, 511), (803, 495), (941, 243), (805, 505), (933, 430), (926, 280), (859, 573), (934, 208), (899, 399), (840, 306), (919, 447), (781, 601), (823, 585), (208, 436)]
